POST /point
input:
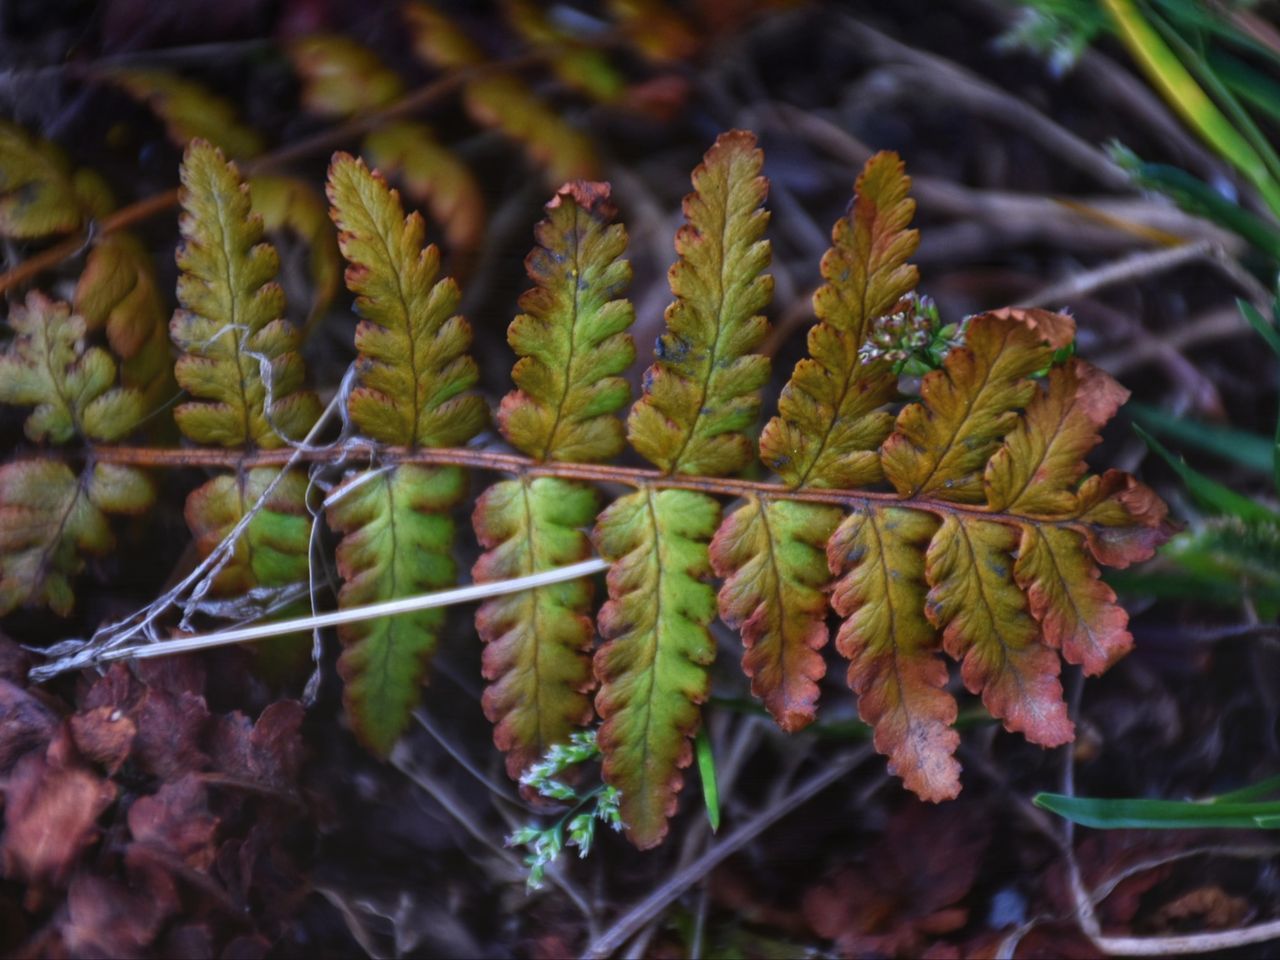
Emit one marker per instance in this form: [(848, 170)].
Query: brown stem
[(517, 465), (327, 139)]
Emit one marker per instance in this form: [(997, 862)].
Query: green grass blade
[(1179, 87), (707, 772), (1262, 788), (1251, 450), (1209, 493), (1134, 814), (1197, 197)]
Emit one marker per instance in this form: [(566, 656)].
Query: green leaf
[(537, 655), (702, 395), (50, 518), (40, 194), (1161, 814), (571, 338), (340, 77), (189, 111), (238, 350), (118, 291), (654, 668), (414, 370), (506, 104), (1230, 550), (72, 388), (1209, 493), (397, 537), (274, 550)]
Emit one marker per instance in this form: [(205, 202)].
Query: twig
[(1142, 265), (940, 77), (648, 908)]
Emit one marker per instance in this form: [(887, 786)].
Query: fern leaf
[(987, 626), (437, 40), (571, 339), (397, 538), (72, 388), (940, 446), (238, 350), (189, 111), (830, 422), (414, 368), (274, 550), (770, 554), (118, 292), (432, 175), (653, 671), (49, 517), (40, 193), (579, 66), (826, 434), (537, 657), (1040, 464), (287, 204), (1078, 613), (340, 77), (892, 649), (704, 391), (655, 30), (505, 103)]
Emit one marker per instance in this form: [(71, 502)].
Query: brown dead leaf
[(1208, 906), (26, 722), (177, 820), (110, 919), (104, 735), (268, 752), (52, 803), (909, 889)]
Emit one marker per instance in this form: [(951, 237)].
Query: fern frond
[(287, 204), (830, 419), (414, 370), (274, 549), (572, 344), (770, 554), (238, 350), (49, 518), (73, 388), (829, 425), (437, 40), (118, 291), (703, 393), (397, 538), (940, 446), (340, 77), (653, 671), (537, 655), (892, 649), (189, 111), (578, 66), (571, 339), (432, 175), (506, 104), (40, 193)]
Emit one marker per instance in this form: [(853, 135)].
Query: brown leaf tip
[(594, 196)]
